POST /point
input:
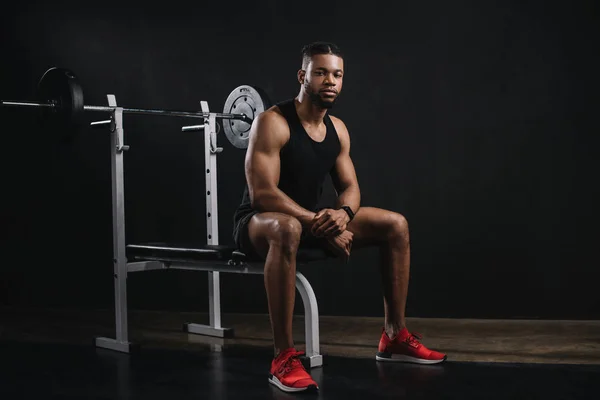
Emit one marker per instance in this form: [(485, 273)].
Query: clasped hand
[(331, 224)]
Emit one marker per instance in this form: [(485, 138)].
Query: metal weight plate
[(61, 87), (248, 100)]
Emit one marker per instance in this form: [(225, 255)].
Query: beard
[(317, 100)]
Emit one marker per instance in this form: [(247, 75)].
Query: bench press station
[(61, 104)]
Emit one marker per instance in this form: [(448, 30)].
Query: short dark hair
[(313, 48)]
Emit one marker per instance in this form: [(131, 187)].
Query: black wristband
[(348, 211)]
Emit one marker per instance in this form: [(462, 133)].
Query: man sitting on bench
[(292, 147)]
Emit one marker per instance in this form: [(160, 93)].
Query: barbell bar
[(191, 114), (61, 105)]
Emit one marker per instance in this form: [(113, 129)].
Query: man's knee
[(398, 226), (285, 231)]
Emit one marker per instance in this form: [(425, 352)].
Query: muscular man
[(292, 147)]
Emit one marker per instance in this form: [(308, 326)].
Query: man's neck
[(308, 111)]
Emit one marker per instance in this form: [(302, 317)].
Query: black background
[(476, 120)]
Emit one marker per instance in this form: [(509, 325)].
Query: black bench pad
[(168, 252)]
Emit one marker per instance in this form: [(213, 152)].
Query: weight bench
[(222, 258), (211, 257)]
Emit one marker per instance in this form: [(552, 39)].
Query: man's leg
[(276, 238), (389, 231)]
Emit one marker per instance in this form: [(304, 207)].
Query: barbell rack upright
[(121, 341)]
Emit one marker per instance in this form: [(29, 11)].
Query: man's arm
[(268, 134), (332, 222), (343, 174)]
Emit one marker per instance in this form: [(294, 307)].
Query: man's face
[(322, 79)]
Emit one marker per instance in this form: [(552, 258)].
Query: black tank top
[(304, 162)]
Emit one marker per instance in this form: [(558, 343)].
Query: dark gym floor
[(48, 354)]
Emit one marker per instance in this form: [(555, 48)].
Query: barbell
[(61, 104)]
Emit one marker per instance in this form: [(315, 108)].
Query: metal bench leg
[(214, 300), (311, 321)]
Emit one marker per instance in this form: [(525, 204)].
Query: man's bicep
[(262, 169), (262, 157), (343, 173)]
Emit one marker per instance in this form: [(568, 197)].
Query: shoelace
[(414, 338), (292, 362)]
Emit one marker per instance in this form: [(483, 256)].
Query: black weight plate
[(61, 87)]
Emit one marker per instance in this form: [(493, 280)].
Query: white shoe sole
[(274, 381), (407, 359)]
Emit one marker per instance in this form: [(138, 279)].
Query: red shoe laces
[(292, 362), (414, 338)]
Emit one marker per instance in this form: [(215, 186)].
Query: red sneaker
[(406, 347), (288, 373)]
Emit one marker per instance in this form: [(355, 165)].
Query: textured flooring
[(530, 341), (49, 354)]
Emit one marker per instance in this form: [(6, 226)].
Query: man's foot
[(288, 373), (406, 347)]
